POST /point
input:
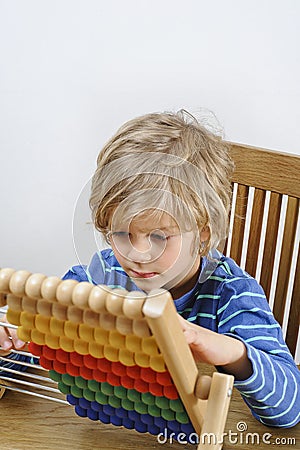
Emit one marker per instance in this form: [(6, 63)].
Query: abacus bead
[(140, 328), (64, 292), (14, 302), (114, 301), (80, 295), (18, 281), (97, 298), (49, 287), (133, 304), (34, 284), (124, 325), (5, 276), (91, 318)]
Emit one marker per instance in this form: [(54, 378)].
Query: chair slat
[(255, 231), (294, 316), (286, 258), (270, 242), (239, 223)]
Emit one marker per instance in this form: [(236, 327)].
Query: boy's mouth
[(143, 274)]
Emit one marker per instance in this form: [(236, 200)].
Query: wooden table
[(32, 423)]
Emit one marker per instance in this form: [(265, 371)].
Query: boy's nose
[(140, 250)]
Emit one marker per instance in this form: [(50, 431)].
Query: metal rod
[(27, 374), (34, 394), (8, 325), (20, 363), (26, 383)]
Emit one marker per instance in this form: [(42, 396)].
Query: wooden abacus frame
[(128, 327)]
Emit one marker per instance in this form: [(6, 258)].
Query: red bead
[(171, 392), (113, 379), (164, 378), (148, 375), (90, 361), (35, 349), (46, 363), (133, 371), (104, 365), (127, 382), (99, 376), (72, 370), (76, 359), (49, 353), (62, 356), (156, 389), (141, 386), (118, 368), (59, 367), (86, 373)]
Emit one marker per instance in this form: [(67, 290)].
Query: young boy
[(161, 195)]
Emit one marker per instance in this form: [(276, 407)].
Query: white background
[(73, 71)]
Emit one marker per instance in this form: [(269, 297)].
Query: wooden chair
[(265, 231)]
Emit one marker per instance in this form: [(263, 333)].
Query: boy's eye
[(158, 236), (119, 234)]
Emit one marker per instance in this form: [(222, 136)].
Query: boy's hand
[(217, 349), (9, 339)]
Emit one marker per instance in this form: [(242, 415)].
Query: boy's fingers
[(5, 335)]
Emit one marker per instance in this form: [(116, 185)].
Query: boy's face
[(157, 254)]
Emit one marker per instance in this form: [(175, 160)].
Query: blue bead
[(121, 412), (72, 400), (160, 422), (93, 415), (115, 420), (96, 406), (141, 427), (127, 423), (83, 403), (109, 410), (147, 419), (104, 417), (173, 425), (133, 415), (80, 411), (153, 429)]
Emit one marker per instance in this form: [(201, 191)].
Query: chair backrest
[(264, 236)]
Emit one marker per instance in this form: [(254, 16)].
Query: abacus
[(119, 357)]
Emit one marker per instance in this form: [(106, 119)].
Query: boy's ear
[(205, 234)]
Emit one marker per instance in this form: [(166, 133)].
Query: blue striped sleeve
[(272, 392)]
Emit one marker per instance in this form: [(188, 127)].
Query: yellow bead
[(52, 341), (37, 337), (66, 344), (111, 353), (71, 330), (149, 346), (133, 343), (24, 334), (101, 336), (157, 363), (96, 350), (116, 339), (56, 326), (126, 357), (27, 320), (13, 317), (86, 332), (42, 323), (81, 347)]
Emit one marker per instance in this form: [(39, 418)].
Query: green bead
[(133, 395), (55, 376), (63, 388), (101, 398), (167, 414), (76, 391), (176, 405), (154, 411), (68, 379), (162, 402), (89, 395), (113, 401), (93, 385), (182, 417), (81, 382), (148, 398), (107, 388), (141, 408), (127, 404), (120, 392)]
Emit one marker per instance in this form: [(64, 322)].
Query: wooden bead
[(44, 307), (91, 318), (80, 295), (3, 300), (5, 276), (64, 292), (202, 387), (14, 303), (59, 311), (18, 281), (34, 284), (107, 321), (75, 314), (141, 328), (97, 298), (133, 304), (124, 325), (114, 301), (29, 305), (49, 287)]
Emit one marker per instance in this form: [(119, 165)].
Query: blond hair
[(164, 162)]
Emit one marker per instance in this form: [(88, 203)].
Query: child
[(161, 195)]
